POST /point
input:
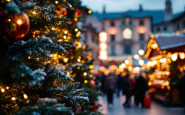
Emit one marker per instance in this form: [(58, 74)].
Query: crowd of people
[(130, 85)]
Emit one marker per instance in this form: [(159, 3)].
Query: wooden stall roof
[(170, 43)]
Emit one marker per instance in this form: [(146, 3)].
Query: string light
[(85, 73), (141, 52), (76, 29), (85, 81), (136, 56), (126, 62), (2, 90), (65, 37), (78, 60), (34, 13), (13, 98), (8, 0), (7, 87), (19, 22), (9, 20), (65, 32), (25, 96), (90, 11), (174, 57), (29, 57), (65, 60), (141, 62), (56, 2), (182, 55)]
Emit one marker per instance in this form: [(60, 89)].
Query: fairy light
[(19, 22), (2, 90), (25, 96), (13, 98), (65, 32), (29, 57), (9, 20), (85, 81), (90, 11), (7, 87), (34, 12), (85, 73), (76, 29), (65, 60), (8, 0), (56, 2), (78, 60), (65, 37), (126, 62)]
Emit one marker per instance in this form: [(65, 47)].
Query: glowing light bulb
[(136, 56), (2, 90), (65, 32), (65, 37), (85, 81), (76, 29), (34, 12), (174, 57), (29, 57), (9, 20), (78, 60), (182, 55), (19, 22), (56, 2), (90, 11), (141, 52), (126, 62), (25, 96), (65, 60), (141, 62), (85, 73), (13, 98), (7, 87)]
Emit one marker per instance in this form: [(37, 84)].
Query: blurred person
[(99, 80), (109, 87), (118, 82), (125, 86), (181, 86), (141, 87)]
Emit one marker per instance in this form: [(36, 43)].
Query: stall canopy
[(162, 44)]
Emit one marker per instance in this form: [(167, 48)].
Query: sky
[(123, 5)]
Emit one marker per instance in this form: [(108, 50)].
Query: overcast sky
[(122, 5)]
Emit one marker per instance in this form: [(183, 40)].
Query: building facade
[(129, 31)]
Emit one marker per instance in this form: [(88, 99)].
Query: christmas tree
[(45, 69)]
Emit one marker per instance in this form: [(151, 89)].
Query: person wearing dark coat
[(110, 87), (141, 87), (181, 86), (125, 86)]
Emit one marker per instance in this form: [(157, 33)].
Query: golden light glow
[(9, 20), (78, 60), (76, 29), (8, 0), (34, 12), (85, 73), (13, 98), (91, 67), (141, 62), (75, 19), (65, 37), (149, 83), (90, 11), (126, 61), (25, 96), (136, 56), (2, 90), (103, 55), (7, 87), (182, 55), (103, 46), (141, 52), (65, 32), (56, 2), (65, 60), (103, 36), (154, 46), (163, 60), (85, 81), (19, 22), (174, 57), (122, 66), (141, 30), (29, 57)]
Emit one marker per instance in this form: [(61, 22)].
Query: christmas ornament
[(77, 12), (17, 26), (70, 22), (95, 107), (61, 12)]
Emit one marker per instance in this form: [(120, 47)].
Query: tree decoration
[(61, 12), (17, 26), (77, 12)]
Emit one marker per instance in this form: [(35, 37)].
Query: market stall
[(166, 63)]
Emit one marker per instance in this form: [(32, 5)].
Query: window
[(141, 22), (165, 28), (127, 49), (142, 37), (127, 33), (112, 24), (158, 29), (113, 51), (112, 38)]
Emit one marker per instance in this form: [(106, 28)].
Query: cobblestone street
[(117, 109)]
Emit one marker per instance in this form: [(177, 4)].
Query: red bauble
[(77, 12), (70, 22), (17, 26), (61, 12), (95, 107)]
